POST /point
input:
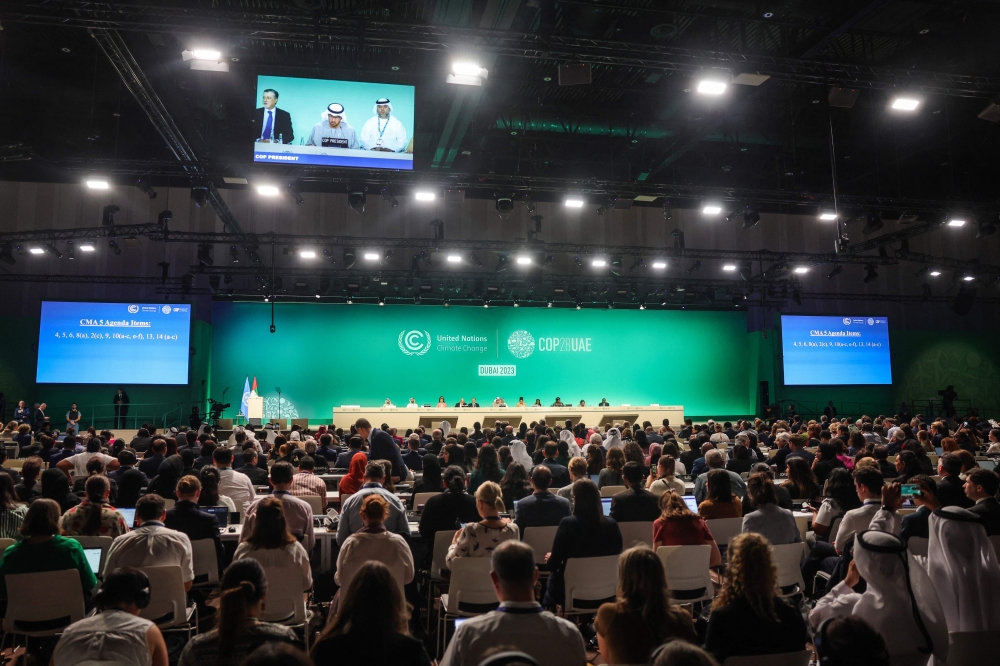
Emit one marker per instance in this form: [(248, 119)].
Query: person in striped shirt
[(305, 482)]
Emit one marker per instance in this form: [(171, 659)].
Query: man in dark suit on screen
[(273, 125)]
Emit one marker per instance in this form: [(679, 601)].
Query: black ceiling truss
[(335, 29)]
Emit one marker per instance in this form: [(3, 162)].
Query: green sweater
[(56, 554)]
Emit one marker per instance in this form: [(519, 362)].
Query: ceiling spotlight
[(873, 222), (985, 229), (837, 270), (356, 200), (598, 263), (801, 269), (956, 223), (750, 219), (523, 260), (307, 254), (87, 247), (205, 254), (268, 190), (206, 54), (710, 87), (934, 273), (466, 68), (349, 257), (454, 258), (729, 267), (234, 254), (145, 188), (36, 250), (870, 274), (502, 263), (638, 263), (371, 256), (7, 254), (695, 266), (968, 278), (98, 184), (475, 260), (659, 263), (465, 73), (573, 202), (424, 196), (711, 209), (905, 104), (504, 206), (113, 245), (828, 217)]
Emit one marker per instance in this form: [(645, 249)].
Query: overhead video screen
[(835, 351), (333, 123), (113, 343)]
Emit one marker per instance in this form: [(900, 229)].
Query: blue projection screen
[(835, 351), (113, 343)]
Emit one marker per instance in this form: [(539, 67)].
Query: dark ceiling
[(638, 126)]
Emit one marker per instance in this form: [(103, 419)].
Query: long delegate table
[(403, 417)]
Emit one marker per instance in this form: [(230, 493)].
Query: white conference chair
[(540, 539), (636, 533), (315, 502), (917, 546), (421, 499), (781, 659), (435, 577), (788, 562), (102, 542), (470, 593), (611, 491), (589, 582), (168, 504), (724, 529), (168, 607), (205, 562), (971, 648), (238, 510), (43, 603), (285, 603), (687, 572), (802, 522)]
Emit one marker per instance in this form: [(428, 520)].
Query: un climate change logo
[(414, 343), (521, 344)]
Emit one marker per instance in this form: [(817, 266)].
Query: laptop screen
[(93, 556), (596, 478), (987, 464), (221, 514), (606, 504), (129, 516), (692, 503)]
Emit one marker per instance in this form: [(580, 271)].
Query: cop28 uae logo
[(414, 343), (521, 344)]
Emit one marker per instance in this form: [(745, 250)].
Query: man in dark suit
[(150, 465), (258, 477), (186, 517), (273, 125), (798, 445), (354, 445), (14, 475), (692, 454), (542, 508), (636, 504), (981, 486), (121, 408), (560, 475), (126, 461), (38, 418), (141, 441), (916, 524), (950, 491)]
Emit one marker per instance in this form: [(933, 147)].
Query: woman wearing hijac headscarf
[(963, 567), (900, 601), (351, 482)]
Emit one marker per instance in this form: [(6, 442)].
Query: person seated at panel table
[(603, 403), (499, 402), (538, 402), (441, 403), (473, 403), (388, 403), (412, 404), (461, 403), (520, 403), (558, 402), (583, 403)]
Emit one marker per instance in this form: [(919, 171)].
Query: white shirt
[(385, 547), (551, 640), (111, 637), (859, 520), (292, 555), (393, 134), (236, 485), (412, 405), (152, 545), (80, 461)]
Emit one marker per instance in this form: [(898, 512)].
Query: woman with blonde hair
[(480, 538), (642, 616), (748, 617)]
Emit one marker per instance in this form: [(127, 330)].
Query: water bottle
[(280, 139)]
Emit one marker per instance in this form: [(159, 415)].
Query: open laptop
[(129, 516), (94, 559), (221, 514), (691, 502), (606, 505), (987, 464)]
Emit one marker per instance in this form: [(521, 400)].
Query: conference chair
[(435, 576), (317, 503), (237, 511), (102, 542), (724, 529), (43, 603), (802, 522), (168, 504), (5, 543), (781, 659), (470, 593), (611, 491), (205, 562), (540, 539), (635, 533), (589, 582), (788, 562), (420, 499), (917, 546), (286, 603), (687, 572), (168, 607), (972, 648), (14, 463)]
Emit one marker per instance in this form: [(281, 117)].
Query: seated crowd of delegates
[(545, 475)]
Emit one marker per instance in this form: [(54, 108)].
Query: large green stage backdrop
[(323, 356)]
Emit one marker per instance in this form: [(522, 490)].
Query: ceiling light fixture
[(711, 209), (969, 278), (709, 87), (268, 190), (206, 54), (598, 263), (729, 267), (573, 202), (934, 273), (425, 196), (307, 254), (371, 256), (523, 260), (801, 269), (87, 247), (36, 250), (98, 184), (828, 217), (659, 264), (454, 258), (905, 104), (956, 223)]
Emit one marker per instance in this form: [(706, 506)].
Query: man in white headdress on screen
[(383, 132), (333, 131)]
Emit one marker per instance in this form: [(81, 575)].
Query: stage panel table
[(402, 418)]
